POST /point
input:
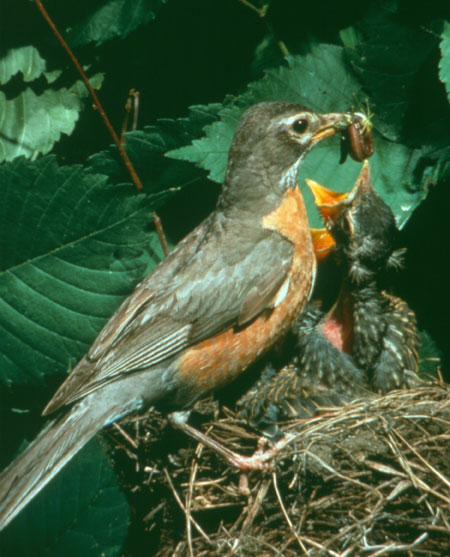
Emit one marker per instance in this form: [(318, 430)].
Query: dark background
[(200, 52), (204, 51), (197, 52)]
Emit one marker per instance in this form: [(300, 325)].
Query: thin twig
[(189, 496), (420, 457), (188, 508), (342, 476), (93, 94), (98, 106), (128, 107), (125, 435), (135, 95), (417, 482), (260, 11), (255, 508), (160, 232), (180, 503), (131, 104), (286, 515)]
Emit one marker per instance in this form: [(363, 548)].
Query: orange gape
[(217, 360)]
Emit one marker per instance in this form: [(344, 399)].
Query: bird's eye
[(300, 125)]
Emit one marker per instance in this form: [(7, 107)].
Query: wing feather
[(192, 295)]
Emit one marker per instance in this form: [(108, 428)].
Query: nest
[(370, 478)]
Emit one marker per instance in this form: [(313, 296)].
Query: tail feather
[(47, 454), (66, 435)]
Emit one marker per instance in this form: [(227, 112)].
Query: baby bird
[(368, 340)]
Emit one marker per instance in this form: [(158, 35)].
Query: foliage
[(83, 512), (32, 122), (76, 235)]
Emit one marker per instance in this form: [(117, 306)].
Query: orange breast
[(216, 361)]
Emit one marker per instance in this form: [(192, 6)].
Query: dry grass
[(371, 478)]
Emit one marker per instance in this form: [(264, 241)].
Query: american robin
[(318, 374), (368, 337), (220, 300), (383, 338)]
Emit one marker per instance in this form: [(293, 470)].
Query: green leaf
[(71, 248), (444, 64), (114, 18), (387, 56), (146, 149), (26, 60), (81, 512), (350, 37), (31, 123)]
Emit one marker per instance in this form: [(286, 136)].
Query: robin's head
[(269, 144), (362, 226)]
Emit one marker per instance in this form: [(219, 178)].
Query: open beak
[(331, 203), (323, 243), (363, 183), (324, 196)]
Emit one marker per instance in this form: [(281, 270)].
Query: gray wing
[(193, 294)]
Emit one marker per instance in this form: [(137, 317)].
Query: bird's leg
[(260, 460)]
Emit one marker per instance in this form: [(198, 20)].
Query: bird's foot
[(262, 459)]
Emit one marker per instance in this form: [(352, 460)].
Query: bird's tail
[(48, 453)]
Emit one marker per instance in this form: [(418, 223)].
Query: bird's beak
[(364, 182), (331, 123), (323, 243), (324, 196), (331, 203)]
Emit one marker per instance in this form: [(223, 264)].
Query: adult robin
[(219, 301), (317, 375), (368, 338)]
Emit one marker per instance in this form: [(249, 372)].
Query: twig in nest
[(124, 434), (180, 502), (255, 508), (423, 460), (189, 494), (286, 515)]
